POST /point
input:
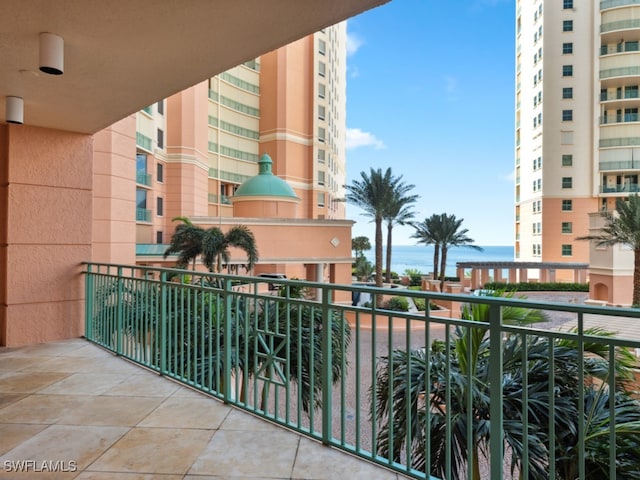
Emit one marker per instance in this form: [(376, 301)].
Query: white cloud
[(357, 138), (354, 42), (510, 177), (354, 72)]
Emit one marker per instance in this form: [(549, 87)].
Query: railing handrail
[(236, 341)]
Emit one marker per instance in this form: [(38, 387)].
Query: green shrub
[(420, 304), (415, 280), (538, 286), (398, 304)]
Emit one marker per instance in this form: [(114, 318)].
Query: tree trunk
[(388, 273), (436, 260), (378, 252), (636, 278), (443, 267)]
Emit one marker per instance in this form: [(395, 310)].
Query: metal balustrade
[(314, 366)]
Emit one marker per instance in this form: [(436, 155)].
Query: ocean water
[(420, 257)]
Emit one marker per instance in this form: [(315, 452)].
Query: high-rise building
[(197, 147), (577, 127)]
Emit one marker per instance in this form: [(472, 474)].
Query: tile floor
[(72, 407)]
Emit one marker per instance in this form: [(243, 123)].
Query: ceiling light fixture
[(51, 53), (15, 110)]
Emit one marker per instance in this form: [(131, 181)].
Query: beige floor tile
[(239, 420), (66, 444), (45, 409), (60, 364), (9, 398), (145, 384), (15, 363), (315, 461), (85, 384), (246, 454), (159, 450), (89, 350), (109, 410), (29, 382), (184, 412), (12, 435), (128, 476)]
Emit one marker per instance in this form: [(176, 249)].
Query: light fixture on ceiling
[(15, 110), (51, 53)]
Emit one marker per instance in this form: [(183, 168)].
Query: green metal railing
[(315, 365)]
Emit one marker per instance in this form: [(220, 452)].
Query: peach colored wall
[(114, 193), (256, 208), (553, 239), (48, 204), (620, 288)]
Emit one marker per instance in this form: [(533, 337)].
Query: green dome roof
[(265, 184)]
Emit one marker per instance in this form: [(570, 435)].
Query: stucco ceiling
[(121, 55)]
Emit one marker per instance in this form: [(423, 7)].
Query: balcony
[(310, 365), (143, 215), (606, 4), (622, 118), (143, 142), (620, 188), (619, 165), (143, 178)]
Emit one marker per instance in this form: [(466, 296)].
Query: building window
[(321, 178), (567, 115), (321, 112), (160, 106), (321, 134), (141, 163), (160, 173), (567, 70), (567, 160), (322, 90), (159, 238), (567, 182), (160, 206), (567, 92), (567, 4), (321, 199), (567, 205), (321, 156), (160, 138), (567, 250), (567, 48), (322, 47), (567, 227), (567, 25), (322, 69)]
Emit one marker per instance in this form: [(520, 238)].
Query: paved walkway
[(72, 410)]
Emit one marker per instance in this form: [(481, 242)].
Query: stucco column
[(45, 234)]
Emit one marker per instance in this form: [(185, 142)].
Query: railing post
[(327, 357), (227, 332), (120, 312), (496, 447), (88, 303), (163, 322)]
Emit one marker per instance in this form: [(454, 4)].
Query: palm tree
[(215, 247), (623, 227), (186, 241), (451, 235), (360, 245), (189, 241), (371, 193), (399, 212), (459, 379), (425, 233)]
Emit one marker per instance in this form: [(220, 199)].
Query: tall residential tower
[(577, 126)]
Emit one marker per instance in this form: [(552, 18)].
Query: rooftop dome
[(265, 184)]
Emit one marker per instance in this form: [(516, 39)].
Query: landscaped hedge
[(538, 286)]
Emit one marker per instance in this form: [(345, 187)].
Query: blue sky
[(430, 93)]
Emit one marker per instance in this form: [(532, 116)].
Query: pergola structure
[(483, 272)]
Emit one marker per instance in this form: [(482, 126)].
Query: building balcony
[(143, 142), (143, 215), (619, 165), (143, 178), (620, 188), (606, 4), (311, 366), (622, 118)]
